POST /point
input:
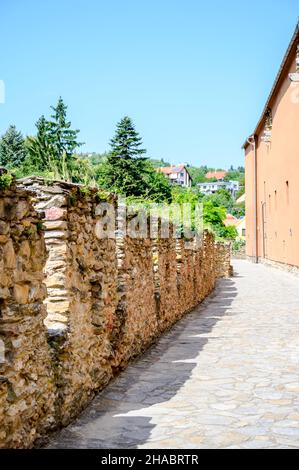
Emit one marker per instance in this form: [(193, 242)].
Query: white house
[(177, 174), (241, 228), (212, 187)]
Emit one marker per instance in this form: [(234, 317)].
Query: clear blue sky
[(194, 75)]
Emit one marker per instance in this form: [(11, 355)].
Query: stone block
[(56, 201), (9, 255), (55, 225), (22, 209), (61, 234), (4, 293), (21, 293), (55, 213), (4, 228)]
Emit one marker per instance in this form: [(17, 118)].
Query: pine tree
[(51, 151), (62, 139), (126, 142), (12, 148), (40, 151), (126, 167)]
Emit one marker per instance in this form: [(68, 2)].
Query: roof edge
[(295, 37)]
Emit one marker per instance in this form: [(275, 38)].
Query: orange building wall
[(277, 164)]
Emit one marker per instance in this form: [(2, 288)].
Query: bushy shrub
[(5, 180), (238, 244)]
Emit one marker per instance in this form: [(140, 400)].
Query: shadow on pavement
[(121, 415)]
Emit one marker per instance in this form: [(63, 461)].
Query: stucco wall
[(277, 180)]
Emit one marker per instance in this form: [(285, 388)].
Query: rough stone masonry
[(75, 308)]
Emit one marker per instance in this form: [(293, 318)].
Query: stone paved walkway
[(226, 376)]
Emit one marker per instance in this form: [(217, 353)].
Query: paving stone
[(223, 406), (256, 444)]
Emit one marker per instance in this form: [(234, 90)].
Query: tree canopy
[(12, 148), (52, 149), (124, 169), (127, 171)]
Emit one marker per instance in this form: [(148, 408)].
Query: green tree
[(127, 143), (82, 171), (40, 151), (191, 196), (51, 151), (198, 174), (158, 187), (95, 158), (229, 233), (181, 195), (213, 215), (222, 198), (126, 167), (12, 148), (238, 210), (62, 140)]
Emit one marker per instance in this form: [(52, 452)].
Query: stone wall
[(166, 280), (136, 311), (222, 258), (81, 279), (26, 376), (108, 298), (239, 253)]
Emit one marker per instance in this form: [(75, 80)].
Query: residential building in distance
[(230, 220), (240, 225), (241, 228), (241, 199), (212, 187), (272, 170), (177, 175), (218, 175)]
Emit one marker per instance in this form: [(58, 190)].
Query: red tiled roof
[(219, 175), (230, 220), (167, 170)]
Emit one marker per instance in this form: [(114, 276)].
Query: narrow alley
[(226, 376)]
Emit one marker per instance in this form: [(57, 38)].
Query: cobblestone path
[(226, 376)]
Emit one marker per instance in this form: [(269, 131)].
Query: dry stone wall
[(77, 306), (166, 280), (81, 278), (136, 311), (222, 260), (26, 376)]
